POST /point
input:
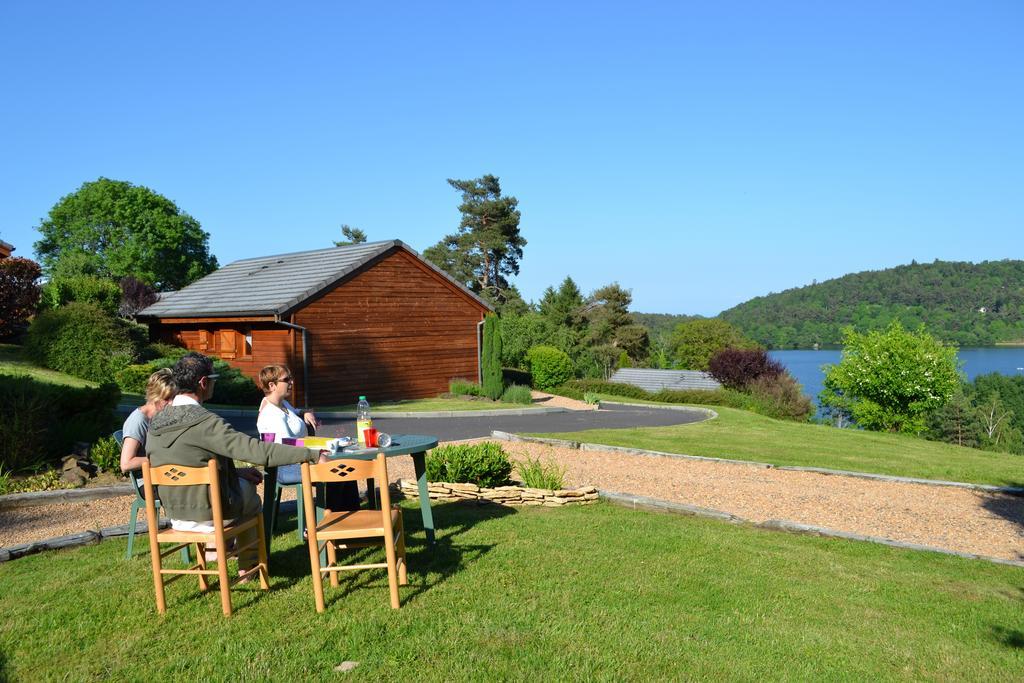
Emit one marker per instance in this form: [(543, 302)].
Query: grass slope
[(12, 363), (744, 435), (581, 593)]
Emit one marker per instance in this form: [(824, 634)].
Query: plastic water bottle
[(363, 420)]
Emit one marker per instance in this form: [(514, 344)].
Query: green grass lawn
[(743, 435), (12, 363), (582, 593)]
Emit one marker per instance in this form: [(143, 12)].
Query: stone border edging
[(37, 498), (656, 505), (497, 412), (502, 495), (578, 445)]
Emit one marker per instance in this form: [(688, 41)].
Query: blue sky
[(698, 154)]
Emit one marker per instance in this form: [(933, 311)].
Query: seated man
[(187, 434)]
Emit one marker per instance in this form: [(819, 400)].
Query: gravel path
[(944, 517)]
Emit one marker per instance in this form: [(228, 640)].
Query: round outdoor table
[(415, 445)]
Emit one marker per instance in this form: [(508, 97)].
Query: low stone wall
[(503, 495)]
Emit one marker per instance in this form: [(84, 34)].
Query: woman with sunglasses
[(276, 415)]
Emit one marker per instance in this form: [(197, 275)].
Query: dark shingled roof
[(656, 380), (274, 285)]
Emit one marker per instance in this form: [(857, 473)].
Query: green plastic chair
[(139, 505)]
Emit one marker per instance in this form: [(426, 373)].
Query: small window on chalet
[(247, 342)]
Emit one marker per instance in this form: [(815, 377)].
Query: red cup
[(370, 437)]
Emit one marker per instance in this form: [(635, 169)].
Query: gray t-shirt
[(136, 427)]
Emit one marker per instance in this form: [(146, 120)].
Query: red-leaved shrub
[(737, 368), (19, 293)]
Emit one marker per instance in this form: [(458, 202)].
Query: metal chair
[(139, 505)]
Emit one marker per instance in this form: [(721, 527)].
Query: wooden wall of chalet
[(395, 330), (269, 344)]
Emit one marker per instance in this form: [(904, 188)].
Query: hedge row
[(788, 406), (40, 422)]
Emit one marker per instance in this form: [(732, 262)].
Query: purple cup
[(269, 437)]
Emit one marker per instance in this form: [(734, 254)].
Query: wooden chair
[(177, 475), (359, 529)]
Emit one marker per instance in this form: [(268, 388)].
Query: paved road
[(455, 428)]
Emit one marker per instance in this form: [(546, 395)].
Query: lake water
[(805, 366)]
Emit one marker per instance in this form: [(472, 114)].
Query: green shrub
[(132, 378), (463, 387), (483, 464), (512, 376), (540, 475), (106, 455), (65, 289), (158, 350), (40, 422), (517, 394), (232, 387), (82, 340), (781, 397), (490, 363), (591, 398), (549, 366), (44, 481)]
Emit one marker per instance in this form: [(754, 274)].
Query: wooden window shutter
[(204, 340), (226, 343)]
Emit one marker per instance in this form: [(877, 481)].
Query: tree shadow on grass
[(3, 668), (1008, 506), (429, 565), (1009, 637)]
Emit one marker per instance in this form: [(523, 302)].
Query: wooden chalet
[(365, 319), (5, 249)]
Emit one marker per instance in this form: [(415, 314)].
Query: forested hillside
[(969, 304)]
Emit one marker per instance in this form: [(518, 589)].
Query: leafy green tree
[(611, 329), (998, 430), (891, 380), (562, 313), (351, 235), (694, 342), (63, 289), (111, 229), (487, 247), (520, 333), (491, 361), (957, 422)]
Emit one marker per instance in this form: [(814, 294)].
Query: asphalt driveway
[(456, 428)]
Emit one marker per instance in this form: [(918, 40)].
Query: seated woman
[(159, 392), (278, 417)]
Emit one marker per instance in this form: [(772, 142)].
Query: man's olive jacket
[(190, 435)]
